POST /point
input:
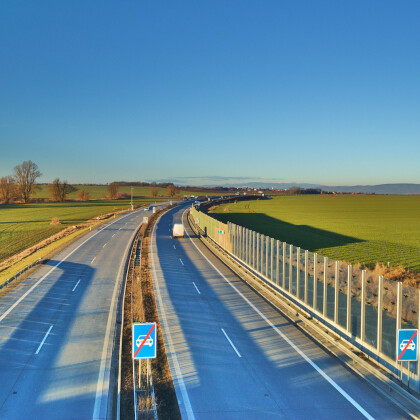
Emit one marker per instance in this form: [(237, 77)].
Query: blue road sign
[(407, 345), (144, 340)]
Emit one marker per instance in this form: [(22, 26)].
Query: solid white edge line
[(100, 383), (183, 388), (181, 261), (196, 288), (43, 340), (291, 344), (50, 271), (74, 288), (230, 342)]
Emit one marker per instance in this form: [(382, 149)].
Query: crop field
[(24, 225), (366, 229)]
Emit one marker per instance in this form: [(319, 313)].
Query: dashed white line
[(94, 258), (181, 261), (196, 288), (290, 342), (104, 245), (174, 246), (113, 235), (43, 340), (230, 342), (74, 288)]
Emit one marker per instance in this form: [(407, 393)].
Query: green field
[(362, 229)]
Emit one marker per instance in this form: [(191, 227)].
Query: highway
[(57, 330), (233, 356)]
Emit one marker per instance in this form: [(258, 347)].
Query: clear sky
[(293, 91)]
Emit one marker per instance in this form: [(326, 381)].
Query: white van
[(178, 230)]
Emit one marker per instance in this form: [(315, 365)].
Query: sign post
[(407, 345)]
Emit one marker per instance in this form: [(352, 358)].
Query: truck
[(178, 230)]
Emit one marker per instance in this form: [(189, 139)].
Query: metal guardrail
[(363, 308), (8, 281)]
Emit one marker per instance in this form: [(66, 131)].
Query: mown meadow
[(24, 225), (365, 229)]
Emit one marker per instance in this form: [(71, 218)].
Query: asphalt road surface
[(57, 330), (233, 356)]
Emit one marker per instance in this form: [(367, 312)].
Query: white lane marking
[(49, 272), (104, 245), (113, 235), (174, 246), (230, 342), (196, 288), (179, 378), (181, 261), (94, 258), (103, 387), (291, 344), (74, 288), (43, 340)]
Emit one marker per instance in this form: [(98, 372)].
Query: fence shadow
[(305, 236)]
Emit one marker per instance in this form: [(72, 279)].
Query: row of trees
[(22, 185)]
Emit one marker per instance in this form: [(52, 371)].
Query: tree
[(7, 188), (82, 195), (113, 189), (60, 189), (171, 190), (26, 175), (154, 190)]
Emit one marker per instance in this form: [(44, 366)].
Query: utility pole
[(131, 202)]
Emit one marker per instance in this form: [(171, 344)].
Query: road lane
[(270, 379), (57, 330)]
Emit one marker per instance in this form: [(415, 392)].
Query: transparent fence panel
[(409, 314), (268, 257), (293, 269), (301, 268), (253, 249), (356, 299), (342, 294), (263, 251), (310, 279), (320, 284), (286, 263), (330, 288), (258, 252), (389, 318), (371, 309)]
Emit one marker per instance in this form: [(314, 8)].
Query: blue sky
[(293, 91)]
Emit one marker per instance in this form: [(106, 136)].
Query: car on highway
[(412, 345), (149, 341), (146, 209)]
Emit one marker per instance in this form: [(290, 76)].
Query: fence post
[(284, 265), (272, 259), (399, 307), (336, 295), (315, 280), (298, 273), (324, 295), (262, 254), (258, 253), (363, 307), (248, 235), (290, 268), (278, 262), (267, 241), (380, 304), (349, 274), (254, 248), (306, 275)]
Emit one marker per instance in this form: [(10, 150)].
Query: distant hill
[(367, 189)]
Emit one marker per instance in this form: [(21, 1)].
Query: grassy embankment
[(358, 228)]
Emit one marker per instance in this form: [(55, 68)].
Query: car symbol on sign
[(412, 345), (149, 341)]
